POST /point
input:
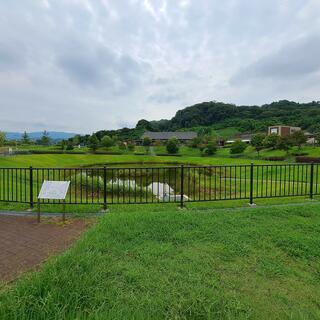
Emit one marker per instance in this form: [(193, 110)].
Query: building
[(183, 137), (282, 130)]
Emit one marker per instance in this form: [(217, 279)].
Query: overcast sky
[(82, 66)]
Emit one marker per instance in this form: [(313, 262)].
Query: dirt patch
[(24, 243)]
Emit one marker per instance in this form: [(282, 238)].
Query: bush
[(308, 159), (238, 147), (195, 142), (275, 158), (158, 143), (146, 142), (69, 146), (131, 146), (297, 154), (122, 145), (210, 149), (173, 146)]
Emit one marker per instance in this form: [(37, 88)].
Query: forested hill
[(245, 118), (219, 115)]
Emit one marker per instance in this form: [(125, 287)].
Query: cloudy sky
[(81, 66)]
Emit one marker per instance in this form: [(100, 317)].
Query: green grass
[(161, 262), (250, 153), (70, 160)]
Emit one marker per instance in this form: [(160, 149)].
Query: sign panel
[(54, 190)]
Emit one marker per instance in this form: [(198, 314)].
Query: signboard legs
[(63, 212)]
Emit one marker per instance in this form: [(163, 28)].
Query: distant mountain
[(55, 135)]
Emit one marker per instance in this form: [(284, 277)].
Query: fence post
[(104, 188), (181, 187), (31, 186), (311, 180), (251, 184)]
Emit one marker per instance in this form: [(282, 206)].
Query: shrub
[(122, 145), (195, 142), (119, 187), (210, 149), (146, 142), (158, 143), (308, 159), (173, 146), (202, 146), (69, 146), (131, 146), (238, 147), (275, 158), (297, 154)]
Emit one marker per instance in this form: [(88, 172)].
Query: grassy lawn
[(184, 151), (160, 262), (68, 160), (250, 153)]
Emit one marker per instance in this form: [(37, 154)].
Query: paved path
[(24, 244)]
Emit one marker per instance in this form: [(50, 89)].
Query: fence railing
[(163, 184)]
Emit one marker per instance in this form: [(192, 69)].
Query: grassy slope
[(251, 153), (197, 264), (66, 160)]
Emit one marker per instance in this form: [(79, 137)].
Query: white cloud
[(87, 65)]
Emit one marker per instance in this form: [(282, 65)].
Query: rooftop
[(187, 135)]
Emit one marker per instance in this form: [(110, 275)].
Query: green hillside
[(245, 118), (226, 120)]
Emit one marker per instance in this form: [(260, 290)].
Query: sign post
[(53, 190)]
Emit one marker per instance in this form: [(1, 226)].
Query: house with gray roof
[(182, 136)]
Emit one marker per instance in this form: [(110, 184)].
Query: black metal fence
[(163, 184)]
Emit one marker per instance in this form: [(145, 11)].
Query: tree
[(317, 138), (144, 124), (298, 138), (284, 143), (2, 138), (76, 140), (195, 142), (271, 141), (69, 146), (62, 144), (257, 142), (173, 145), (25, 138), (45, 139), (238, 147), (204, 131), (211, 148), (146, 142), (107, 142), (93, 142)]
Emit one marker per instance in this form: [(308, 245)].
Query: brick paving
[(24, 243)]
